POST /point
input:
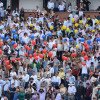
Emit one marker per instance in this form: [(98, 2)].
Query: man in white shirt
[(56, 80), (1, 5), (12, 73), (71, 91), (50, 5), (25, 38), (21, 52), (34, 76), (38, 83), (21, 33), (6, 86), (25, 77), (61, 7)]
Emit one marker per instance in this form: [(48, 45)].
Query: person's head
[(9, 7), (56, 74), (35, 92), (87, 84), (50, 0), (6, 78), (24, 73), (25, 34), (17, 90), (12, 85), (92, 63), (21, 90), (21, 48), (33, 72), (62, 85), (81, 83), (41, 90)]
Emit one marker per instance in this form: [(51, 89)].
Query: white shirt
[(71, 89), (21, 53), (84, 69), (48, 80), (80, 13), (52, 70), (95, 63), (25, 77), (16, 83), (61, 7), (58, 96), (25, 39), (7, 85), (50, 5), (56, 79), (1, 4), (21, 33), (88, 63), (34, 77), (38, 83), (13, 74)]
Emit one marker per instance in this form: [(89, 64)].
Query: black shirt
[(80, 91)]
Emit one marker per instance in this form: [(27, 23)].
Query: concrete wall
[(30, 4), (94, 4)]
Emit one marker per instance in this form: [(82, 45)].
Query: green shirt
[(22, 95)]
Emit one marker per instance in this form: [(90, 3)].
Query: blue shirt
[(16, 96)]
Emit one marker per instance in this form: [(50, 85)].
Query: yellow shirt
[(62, 75)]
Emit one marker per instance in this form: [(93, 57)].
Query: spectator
[(2, 13), (50, 5), (80, 91), (87, 3), (71, 91), (61, 7), (56, 5), (69, 7), (22, 14)]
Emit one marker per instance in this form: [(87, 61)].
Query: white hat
[(93, 79)]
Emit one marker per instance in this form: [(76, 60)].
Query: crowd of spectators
[(61, 5), (44, 57)]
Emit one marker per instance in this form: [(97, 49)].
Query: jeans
[(83, 75), (55, 84), (55, 69)]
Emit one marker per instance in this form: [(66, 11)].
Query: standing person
[(6, 86), (56, 5), (3, 13), (42, 94), (61, 7), (87, 3), (1, 5), (88, 92), (9, 11), (16, 95), (12, 90), (94, 92), (84, 71), (22, 14), (71, 91), (56, 63), (80, 91), (50, 5), (22, 94)]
